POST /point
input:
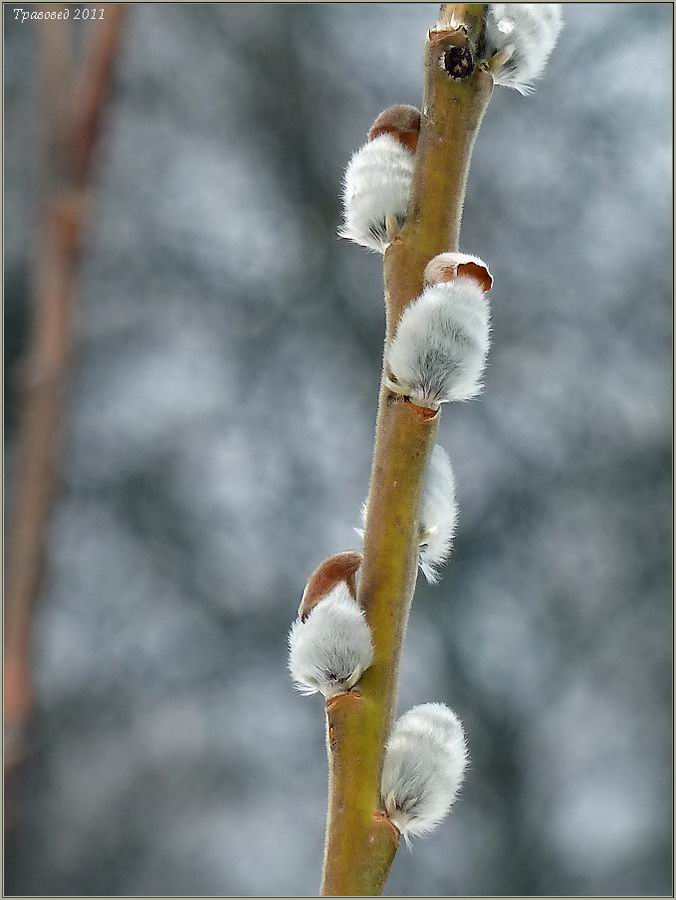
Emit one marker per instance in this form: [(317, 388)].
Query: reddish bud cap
[(448, 266), (402, 122), (341, 567)]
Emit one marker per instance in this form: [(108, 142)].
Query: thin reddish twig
[(72, 132)]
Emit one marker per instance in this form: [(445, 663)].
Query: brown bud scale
[(448, 266), (337, 568), (401, 121)]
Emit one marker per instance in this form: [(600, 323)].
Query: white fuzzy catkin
[(523, 35), (425, 763), (377, 184), (439, 350), (438, 515), (330, 651)]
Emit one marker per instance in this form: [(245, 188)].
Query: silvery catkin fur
[(425, 762), (520, 38), (438, 515), (331, 649), (377, 185), (440, 347)]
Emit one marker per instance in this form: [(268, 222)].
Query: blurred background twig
[(73, 101)]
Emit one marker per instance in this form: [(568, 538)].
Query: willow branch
[(72, 132), (360, 841)]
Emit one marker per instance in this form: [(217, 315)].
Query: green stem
[(360, 842)]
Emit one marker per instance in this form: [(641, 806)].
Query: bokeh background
[(218, 439)]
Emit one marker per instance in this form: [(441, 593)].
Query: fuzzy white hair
[(520, 38), (425, 762), (331, 650), (438, 515), (439, 350), (377, 185)]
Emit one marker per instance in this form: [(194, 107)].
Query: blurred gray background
[(218, 440)]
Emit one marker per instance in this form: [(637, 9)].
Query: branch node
[(458, 62)]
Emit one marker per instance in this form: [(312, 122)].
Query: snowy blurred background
[(218, 442)]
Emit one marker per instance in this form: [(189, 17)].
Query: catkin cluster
[(437, 355)]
